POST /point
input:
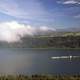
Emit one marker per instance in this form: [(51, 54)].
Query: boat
[(70, 57)]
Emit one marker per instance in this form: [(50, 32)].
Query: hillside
[(63, 40)]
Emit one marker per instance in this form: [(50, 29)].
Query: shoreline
[(41, 48), (40, 77)]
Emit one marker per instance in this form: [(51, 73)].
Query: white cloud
[(13, 31), (69, 2), (44, 28)]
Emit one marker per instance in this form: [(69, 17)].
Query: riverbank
[(40, 77), (38, 48)]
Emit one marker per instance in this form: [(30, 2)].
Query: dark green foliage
[(55, 42), (45, 42), (65, 42)]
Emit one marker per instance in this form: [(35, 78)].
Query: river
[(37, 61)]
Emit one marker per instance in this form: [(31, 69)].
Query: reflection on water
[(29, 61)]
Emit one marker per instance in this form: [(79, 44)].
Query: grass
[(40, 77)]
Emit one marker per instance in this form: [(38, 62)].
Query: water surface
[(37, 61)]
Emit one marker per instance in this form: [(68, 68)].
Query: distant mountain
[(73, 29), (45, 38)]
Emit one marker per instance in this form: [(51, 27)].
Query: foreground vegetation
[(40, 77)]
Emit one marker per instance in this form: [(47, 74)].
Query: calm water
[(37, 61)]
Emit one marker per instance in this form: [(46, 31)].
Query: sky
[(52, 13), (42, 14)]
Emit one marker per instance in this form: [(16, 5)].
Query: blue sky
[(51, 13)]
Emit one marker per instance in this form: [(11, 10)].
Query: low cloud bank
[(13, 31)]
